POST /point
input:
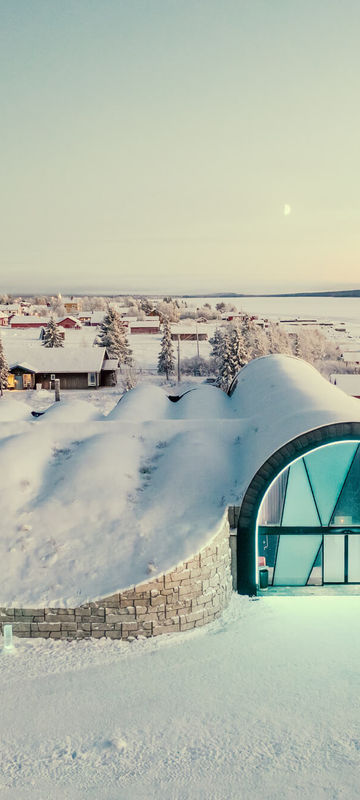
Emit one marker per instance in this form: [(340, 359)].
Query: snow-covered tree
[(125, 356), (226, 374), (279, 341), (128, 378), (197, 366), (231, 352), (52, 336), (259, 343), (168, 309), (4, 370), (239, 347), (217, 342), (57, 307), (113, 336), (166, 362), (146, 306)]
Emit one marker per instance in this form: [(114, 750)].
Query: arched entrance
[(300, 517)]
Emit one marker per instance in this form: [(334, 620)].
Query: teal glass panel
[(334, 558), (295, 558), (354, 558), (299, 507), (328, 468), (272, 505), (347, 511)]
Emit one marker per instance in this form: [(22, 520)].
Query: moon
[(287, 210)]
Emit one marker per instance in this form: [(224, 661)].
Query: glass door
[(334, 558)]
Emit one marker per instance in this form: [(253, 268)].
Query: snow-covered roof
[(23, 364), (189, 327), (57, 359), (350, 384), (110, 364), (149, 483), (145, 323), (352, 357), (96, 316), (73, 319), (29, 320)]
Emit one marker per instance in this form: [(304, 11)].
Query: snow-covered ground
[(262, 703)]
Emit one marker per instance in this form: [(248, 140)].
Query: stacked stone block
[(191, 595)]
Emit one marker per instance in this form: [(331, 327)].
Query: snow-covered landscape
[(262, 703), (179, 400)]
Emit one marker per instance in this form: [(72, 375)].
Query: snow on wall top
[(88, 503)]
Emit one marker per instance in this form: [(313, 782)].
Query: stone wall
[(192, 594)]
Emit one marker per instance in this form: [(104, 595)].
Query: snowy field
[(262, 703), (21, 344)]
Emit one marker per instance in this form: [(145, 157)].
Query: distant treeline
[(340, 293)]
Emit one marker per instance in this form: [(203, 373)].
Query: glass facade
[(309, 519)]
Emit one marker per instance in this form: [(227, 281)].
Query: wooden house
[(25, 322), (190, 332), (145, 326), (72, 306), (76, 368)]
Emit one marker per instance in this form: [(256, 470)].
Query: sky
[(179, 145)]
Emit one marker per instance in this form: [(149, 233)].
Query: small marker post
[(8, 637)]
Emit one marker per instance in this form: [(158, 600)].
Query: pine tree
[(233, 354), (166, 362), (4, 370), (225, 366), (113, 337), (217, 343), (52, 336)]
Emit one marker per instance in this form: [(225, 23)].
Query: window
[(52, 377), (92, 378)]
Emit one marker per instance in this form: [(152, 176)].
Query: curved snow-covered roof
[(87, 505)]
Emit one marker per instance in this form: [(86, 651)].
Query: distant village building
[(72, 306), (96, 318), (84, 317), (190, 331), (70, 322), (145, 326), (25, 322)]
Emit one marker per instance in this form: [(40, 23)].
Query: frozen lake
[(337, 309)]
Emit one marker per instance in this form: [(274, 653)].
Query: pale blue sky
[(154, 144)]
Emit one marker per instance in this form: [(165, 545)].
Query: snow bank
[(67, 410), (10, 410), (145, 402)]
